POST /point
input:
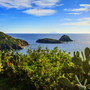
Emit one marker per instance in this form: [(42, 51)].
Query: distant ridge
[(53, 32)]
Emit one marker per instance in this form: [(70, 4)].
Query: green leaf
[(88, 86), (78, 79), (86, 66), (77, 54), (76, 60), (85, 82), (66, 65), (87, 52), (82, 55), (80, 87), (66, 82)]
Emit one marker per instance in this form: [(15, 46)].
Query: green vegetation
[(10, 42), (44, 70)]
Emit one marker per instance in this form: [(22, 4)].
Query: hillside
[(9, 42)]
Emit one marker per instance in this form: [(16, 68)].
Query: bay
[(81, 41)]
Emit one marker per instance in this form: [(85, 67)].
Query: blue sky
[(45, 16)]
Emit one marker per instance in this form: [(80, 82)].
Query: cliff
[(9, 42)]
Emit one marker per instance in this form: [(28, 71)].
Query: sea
[(79, 43)]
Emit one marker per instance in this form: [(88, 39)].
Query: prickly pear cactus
[(86, 67), (66, 82), (80, 87), (77, 60), (87, 53), (85, 62)]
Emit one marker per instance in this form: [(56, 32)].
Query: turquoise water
[(80, 42)]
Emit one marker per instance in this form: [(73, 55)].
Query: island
[(11, 43), (48, 40), (63, 38)]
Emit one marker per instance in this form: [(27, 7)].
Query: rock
[(48, 40), (65, 38), (9, 42)]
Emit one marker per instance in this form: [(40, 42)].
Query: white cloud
[(27, 3), (85, 23), (65, 9), (46, 3), (31, 6), (83, 7), (19, 4), (75, 13), (84, 19), (40, 12), (79, 9), (80, 22), (60, 5)]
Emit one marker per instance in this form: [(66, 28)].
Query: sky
[(45, 16)]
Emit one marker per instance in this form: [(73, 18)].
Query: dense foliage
[(41, 70)]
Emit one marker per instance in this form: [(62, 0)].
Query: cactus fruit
[(76, 60)]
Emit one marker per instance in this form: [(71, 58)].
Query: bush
[(40, 69)]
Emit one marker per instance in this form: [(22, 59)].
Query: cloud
[(60, 5), (80, 22), (31, 6), (19, 4), (83, 8), (75, 13), (85, 23), (84, 19), (85, 5), (40, 12), (46, 3)]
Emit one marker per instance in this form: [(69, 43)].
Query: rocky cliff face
[(9, 42)]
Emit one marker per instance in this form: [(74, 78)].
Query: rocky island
[(48, 40), (9, 42), (63, 38)]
